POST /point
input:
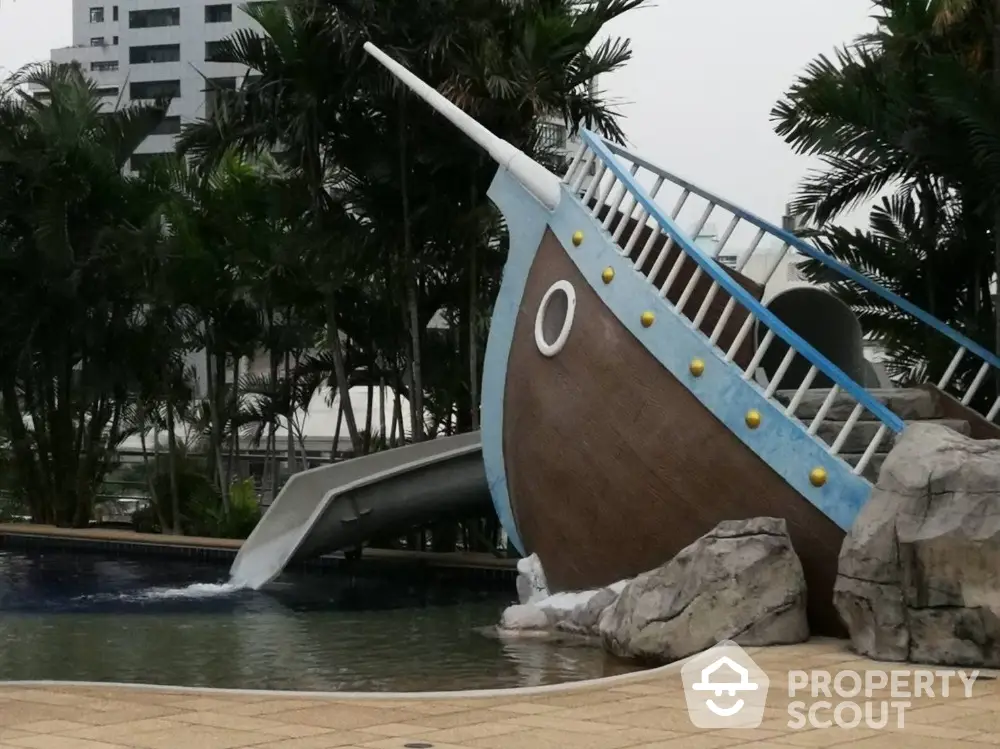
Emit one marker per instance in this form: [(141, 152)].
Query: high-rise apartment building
[(145, 49)]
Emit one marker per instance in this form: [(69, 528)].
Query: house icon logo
[(724, 688)]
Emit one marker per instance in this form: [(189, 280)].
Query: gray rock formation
[(741, 582), (919, 573)]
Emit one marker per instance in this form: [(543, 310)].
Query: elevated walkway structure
[(339, 506)]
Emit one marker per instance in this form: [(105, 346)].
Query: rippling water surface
[(87, 617)]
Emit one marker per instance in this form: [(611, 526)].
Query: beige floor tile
[(196, 737), (942, 714), (978, 722), (690, 742), (462, 734), (640, 689), (49, 726), (52, 741), (526, 708), (820, 737), (392, 730), (261, 709), (118, 732), (400, 743), (294, 730), (455, 720), (599, 712), (321, 741), (226, 720), (736, 735), (46, 697), (563, 724), (892, 740), (581, 700), (666, 720), (543, 738), (6, 734), (342, 716)]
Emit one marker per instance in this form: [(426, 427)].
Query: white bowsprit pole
[(538, 180)]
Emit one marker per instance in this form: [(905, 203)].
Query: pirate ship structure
[(637, 390)]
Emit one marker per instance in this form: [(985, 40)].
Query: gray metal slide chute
[(339, 506)]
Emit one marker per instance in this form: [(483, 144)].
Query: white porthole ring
[(549, 344)]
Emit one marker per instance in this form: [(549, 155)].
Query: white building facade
[(146, 49)]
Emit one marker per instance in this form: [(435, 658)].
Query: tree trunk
[(150, 475), (368, 413), (381, 410), (272, 436), (340, 371), (289, 415), (234, 429), (215, 429), (410, 284), (175, 496), (335, 447)]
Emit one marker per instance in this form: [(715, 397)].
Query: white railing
[(617, 187), (979, 363)]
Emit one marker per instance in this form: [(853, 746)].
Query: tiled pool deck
[(641, 711)]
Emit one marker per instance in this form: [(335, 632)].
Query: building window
[(218, 13), (105, 91), (728, 260), (114, 40), (552, 136), (154, 53), (169, 126), (148, 19), (213, 52), (97, 15), (154, 89), (114, 13), (97, 41), (104, 66)]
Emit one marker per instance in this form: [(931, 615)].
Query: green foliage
[(911, 109), (210, 519), (321, 217)]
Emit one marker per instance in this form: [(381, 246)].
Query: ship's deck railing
[(987, 361), (615, 187)]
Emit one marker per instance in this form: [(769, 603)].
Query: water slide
[(339, 506)]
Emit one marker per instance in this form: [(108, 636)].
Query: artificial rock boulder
[(574, 613), (919, 573), (742, 581)]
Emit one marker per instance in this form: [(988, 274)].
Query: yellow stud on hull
[(817, 476), (697, 367), (577, 238), (753, 418), (608, 275), (647, 318)]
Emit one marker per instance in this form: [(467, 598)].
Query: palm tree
[(68, 243), (902, 109), (394, 197)]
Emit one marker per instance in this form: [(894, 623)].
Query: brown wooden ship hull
[(613, 465)]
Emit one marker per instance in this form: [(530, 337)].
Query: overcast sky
[(696, 95)]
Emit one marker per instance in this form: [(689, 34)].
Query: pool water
[(97, 618)]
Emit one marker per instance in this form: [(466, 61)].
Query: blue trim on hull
[(527, 220), (782, 443)]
